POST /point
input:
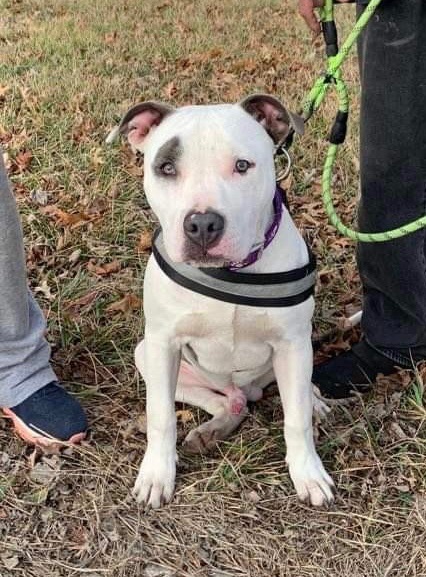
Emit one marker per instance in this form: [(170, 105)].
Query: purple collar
[(256, 253)]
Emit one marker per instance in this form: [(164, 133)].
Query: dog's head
[(209, 173)]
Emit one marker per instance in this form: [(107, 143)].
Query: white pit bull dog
[(216, 343)]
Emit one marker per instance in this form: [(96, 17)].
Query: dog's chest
[(234, 339)]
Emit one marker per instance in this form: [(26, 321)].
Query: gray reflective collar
[(282, 289)]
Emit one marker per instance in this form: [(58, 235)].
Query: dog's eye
[(168, 169), (242, 166)]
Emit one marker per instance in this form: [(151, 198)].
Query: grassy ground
[(68, 69)]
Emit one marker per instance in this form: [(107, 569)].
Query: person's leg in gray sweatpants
[(392, 54), (24, 352)]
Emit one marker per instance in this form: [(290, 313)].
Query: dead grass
[(67, 71)]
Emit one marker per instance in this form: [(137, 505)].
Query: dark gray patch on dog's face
[(169, 153)]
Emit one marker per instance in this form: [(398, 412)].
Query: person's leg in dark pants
[(393, 192)]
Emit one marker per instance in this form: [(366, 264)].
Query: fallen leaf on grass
[(128, 303), (253, 497), (171, 89), (74, 256), (163, 5), (78, 537), (83, 129), (97, 156), (185, 416), (75, 307), (104, 269), (39, 196), (63, 218), (5, 137), (46, 470), (3, 90), (135, 170), (45, 290), (111, 37), (145, 242), (22, 161), (245, 65)]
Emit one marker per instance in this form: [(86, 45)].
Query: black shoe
[(357, 369), (49, 417)]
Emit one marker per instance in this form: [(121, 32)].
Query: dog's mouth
[(201, 257), (206, 261)]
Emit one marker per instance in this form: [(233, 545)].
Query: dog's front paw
[(312, 482), (155, 482)]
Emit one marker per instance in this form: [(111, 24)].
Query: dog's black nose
[(204, 228)]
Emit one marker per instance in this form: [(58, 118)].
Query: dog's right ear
[(271, 113), (138, 122)]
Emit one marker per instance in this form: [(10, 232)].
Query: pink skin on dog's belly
[(237, 398)]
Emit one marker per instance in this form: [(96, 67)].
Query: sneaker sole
[(37, 439)]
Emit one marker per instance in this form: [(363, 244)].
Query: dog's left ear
[(273, 116)]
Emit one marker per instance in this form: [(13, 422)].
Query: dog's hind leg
[(195, 390), (228, 409), (254, 391)]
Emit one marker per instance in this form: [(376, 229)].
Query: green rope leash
[(333, 78)]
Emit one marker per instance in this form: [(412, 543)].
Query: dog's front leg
[(158, 362), (293, 370)]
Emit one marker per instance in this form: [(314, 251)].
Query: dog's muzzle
[(204, 229)]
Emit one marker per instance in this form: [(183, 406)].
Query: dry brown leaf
[(65, 218), (104, 269), (171, 89), (163, 5), (128, 303), (83, 129), (135, 170), (185, 416), (74, 307), (74, 256), (253, 497), (97, 156), (3, 91), (5, 136), (246, 65), (145, 242), (45, 290), (26, 94), (216, 52), (22, 161), (110, 37), (97, 207)]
